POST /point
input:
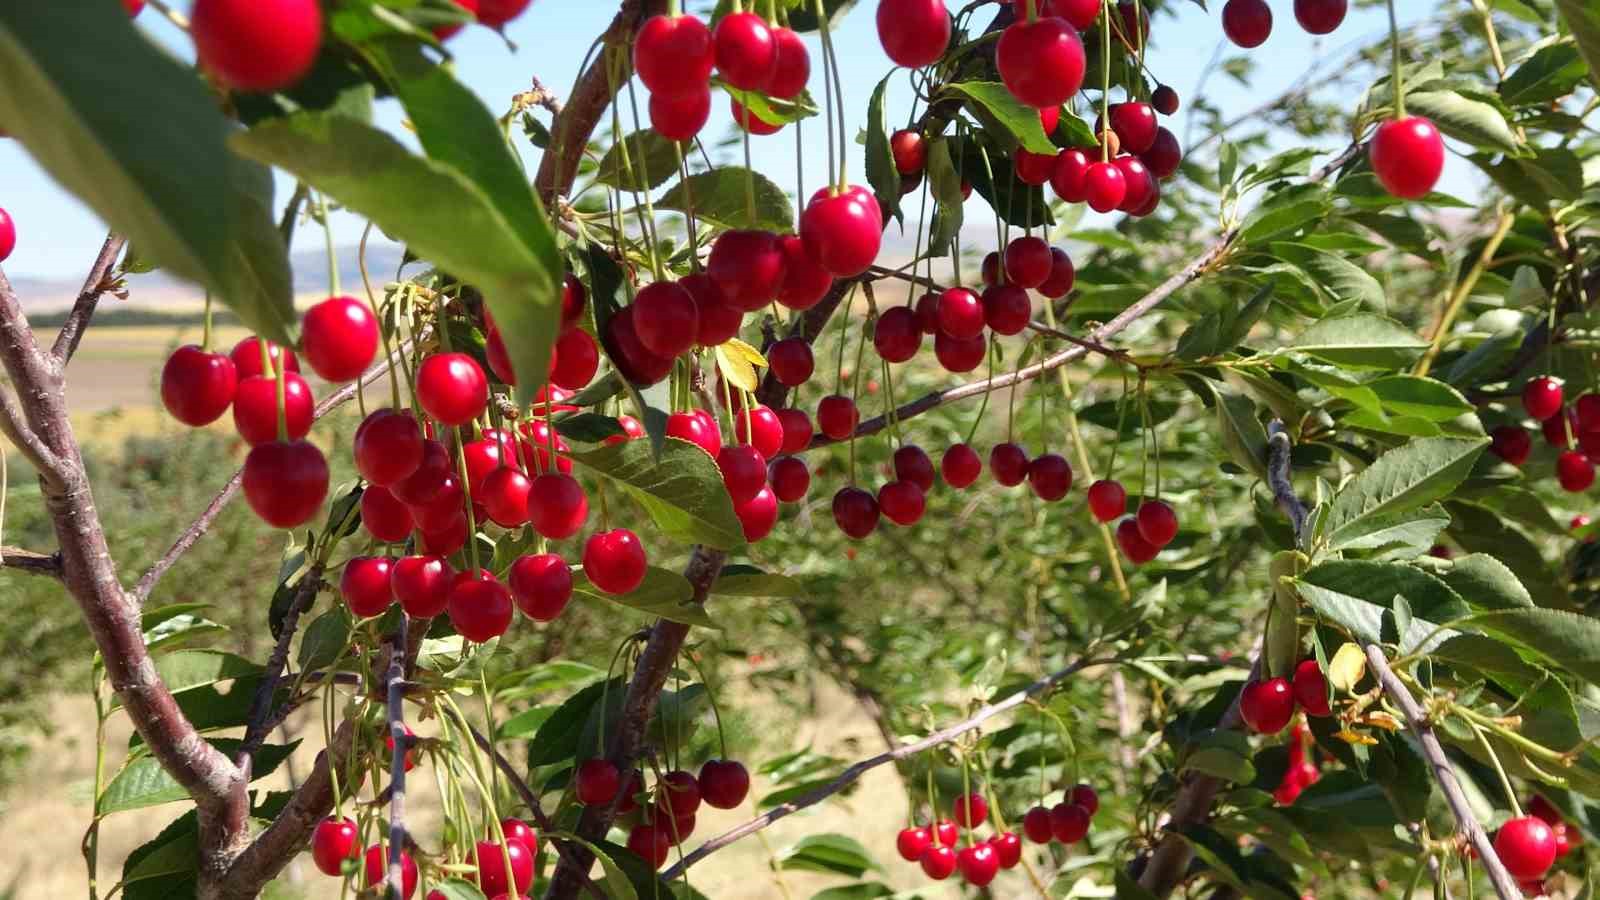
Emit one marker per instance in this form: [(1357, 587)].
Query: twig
[(46, 564), (397, 759), (96, 284), (1085, 343), (1280, 479), (912, 277), (260, 721), (1458, 296)]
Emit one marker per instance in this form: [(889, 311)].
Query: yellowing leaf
[(736, 368), (739, 347), (1381, 719), (1347, 667), (1355, 737)]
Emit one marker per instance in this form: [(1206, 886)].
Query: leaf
[(1347, 667), (991, 100), (1013, 201), (772, 110), (829, 853), (1485, 583), (1405, 478), (1551, 73), (557, 739), (1341, 278), (525, 723), (1365, 620), (1423, 398), (588, 428), (1473, 121), (82, 88), (185, 670), (719, 199), (1378, 583), (324, 638), (1479, 529), (803, 17), (683, 491), (881, 171), (1283, 212), (619, 884), (861, 890), (143, 782), (736, 369), (1583, 20), (172, 852), (651, 161), (1553, 174), (1220, 762), (455, 889), (663, 593), (748, 581), (1567, 639), (1360, 341), (1241, 432), (1280, 648), (1411, 533)]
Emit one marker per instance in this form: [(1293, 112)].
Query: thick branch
[(96, 284), (851, 775)]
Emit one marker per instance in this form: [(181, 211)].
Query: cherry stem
[(472, 525), (1505, 782), (1032, 11), (372, 301), (716, 714), (1394, 49), (984, 404), (1105, 79), (327, 242), (855, 390), (205, 334), (749, 172), (964, 805), (830, 61)]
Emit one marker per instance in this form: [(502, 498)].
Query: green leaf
[(861, 890), (1553, 174), (1241, 433), (1485, 582), (683, 491), (185, 670), (719, 198), (771, 109), (1424, 398), (1368, 622), (135, 135), (1017, 203), (1551, 73), (991, 101), (143, 782), (1341, 278), (1568, 639), (1405, 478), (557, 739), (748, 581), (829, 853), (1583, 20), (1378, 583), (456, 889), (525, 723), (1360, 341), (1473, 121), (652, 160), (663, 593), (619, 884), (175, 851), (881, 171), (1220, 762), (1479, 529), (803, 16), (1283, 212), (324, 638), (588, 428), (1412, 532)]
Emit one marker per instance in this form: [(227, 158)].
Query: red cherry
[(576, 360), (960, 466), (480, 609), (971, 810), (445, 541), (791, 361), (1247, 22), (285, 482), (748, 267), (1007, 849), (1034, 168), (804, 281), (1069, 822), (1134, 19), (494, 350), (1036, 825), (902, 502), (1542, 397), (1104, 186), (1157, 522), (914, 33), (1587, 409), (1008, 463), (1138, 183), (1165, 100), (793, 70), (256, 45), (557, 505), (442, 508), (388, 446), (1164, 156), (197, 387), (842, 232), (717, 320), (1007, 309), (541, 585), (364, 585), (1027, 261), (837, 416), (255, 408), (673, 55), (745, 52), (446, 32), (505, 497), (1080, 13), (428, 478), (1085, 796), (521, 832), (340, 338), (376, 869), (134, 7), (946, 832), (665, 317), (1041, 62), (632, 430), (724, 783), (911, 843), (855, 512), (1527, 847), (497, 13), (767, 430), (990, 269), (1050, 476), (789, 477), (1311, 688), (1320, 16), (1574, 471), (246, 356), (451, 388), (421, 584), (744, 471), (491, 859), (651, 844), (679, 117), (928, 313), (1049, 118), (573, 300), (979, 863), (1135, 125), (938, 862), (614, 561), (910, 151), (1138, 550), (1062, 275), (1266, 705), (628, 353), (597, 782), (912, 465), (1407, 156), (960, 314), (697, 428), (1069, 178), (8, 233), (897, 336), (385, 517), (678, 794), (747, 120), (1107, 500), (332, 842)]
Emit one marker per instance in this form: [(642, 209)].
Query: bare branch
[(397, 760), (1280, 479), (46, 564), (97, 283), (260, 721)]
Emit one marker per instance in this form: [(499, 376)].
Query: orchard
[(1192, 509)]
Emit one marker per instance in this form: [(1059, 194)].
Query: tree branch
[(1279, 477), (396, 690), (96, 284), (46, 564), (260, 721)]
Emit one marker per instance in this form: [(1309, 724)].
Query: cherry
[(1266, 705), (1526, 846), (979, 863), (745, 51), (445, 540), (1320, 16), (1555, 429), (804, 281), (628, 353), (505, 497), (677, 794), (573, 300), (678, 829), (793, 68), (837, 416), (1104, 186), (912, 465), (442, 508), (364, 585), (251, 45), (1062, 275), (446, 32), (1407, 156), (1164, 155), (791, 361), (1574, 471), (1587, 409), (1138, 550), (747, 119), (759, 514), (8, 235), (1541, 397), (376, 866), (1157, 522), (1138, 183), (1247, 22), (1135, 125), (971, 810), (428, 478), (697, 428), (914, 33), (557, 505), (1080, 13), (911, 843), (388, 446), (716, 320), (761, 422), (1085, 796), (246, 356), (679, 117), (597, 782), (744, 471), (1069, 178), (665, 317), (1007, 309), (724, 783), (673, 56), (521, 832), (842, 231), (386, 518), (421, 584), (494, 350), (855, 512), (902, 502), (332, 842), (946, 832), (990, 269), (1311, 688), (1107, 500), (197, 386), (897, 335), (960, 314), (1036, 825), (340, 338), (575, 360), (1049, 118), (541, 585), (1008, 463), (928, 313), (748, 267), (1050, 476), (789, 478), (491, 859), (451, 388), (651, 844), (496, 14), (1041, 62), (960, 466), (796, 430), (1007, 849), (614, 561), (1069, 822), (938, 862), (255, 408), (1134, 19), (1034, 168), (480, 609), (134, 7), (1164, 99), (1027, 261), (285, 482), (910, 151)]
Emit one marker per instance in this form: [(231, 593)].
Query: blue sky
[(58, 236)]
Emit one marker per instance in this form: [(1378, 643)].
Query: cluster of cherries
[(933, 847), (1267, 704), (336, 840), (674, 56), (662, 818), (1573, 430), (1248, 23)]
